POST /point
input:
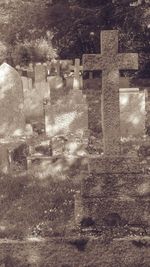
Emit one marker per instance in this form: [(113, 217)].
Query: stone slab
[(125, 185), (132, 113), (68, 115), (40, 73), (106, 164), (132, 210), (12, 119)]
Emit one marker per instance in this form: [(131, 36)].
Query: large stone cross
[(110, 62)]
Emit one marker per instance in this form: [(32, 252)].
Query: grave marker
[(110, 62), (132, 112), (40, 73), (76, 68), (12, 119), (115, 184)]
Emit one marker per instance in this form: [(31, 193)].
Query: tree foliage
[(76, 24)]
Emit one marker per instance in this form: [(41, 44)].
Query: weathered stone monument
[(116, 184), (12, 119), (110, 62), (132, 113)]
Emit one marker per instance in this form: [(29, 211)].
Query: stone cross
[(76, 68), (110, 62)]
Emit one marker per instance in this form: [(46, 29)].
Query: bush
[(33, 51)]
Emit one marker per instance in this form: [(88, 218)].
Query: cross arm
[(128, 61), (92, 62)]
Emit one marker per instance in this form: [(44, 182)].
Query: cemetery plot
[(106, 190)]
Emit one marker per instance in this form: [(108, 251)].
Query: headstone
[(77, 77), (40, 73), (35, 96), (30, 71), (58, 68), (57, 89), (132, 112), (12, 119), (110, 62), (67, 117)]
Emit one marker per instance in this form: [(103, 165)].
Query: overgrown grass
[(29, 206)]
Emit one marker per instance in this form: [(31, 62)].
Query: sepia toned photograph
[(74, 133)]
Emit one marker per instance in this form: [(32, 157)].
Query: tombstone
[(77, 77), (35, 93), (147, 109), (30, 72), (12, 119), (58, 68), (110, 64), (57, 88), (144, 86), (132, 113), (40, 73), (116, 184), (68, 117)]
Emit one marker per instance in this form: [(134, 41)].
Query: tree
[(76, 25)]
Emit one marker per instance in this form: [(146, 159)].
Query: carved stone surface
[(110, 62)]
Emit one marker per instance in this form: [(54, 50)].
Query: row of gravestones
[(69, 115), (52, 89), (66, 111), (37, 89)]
